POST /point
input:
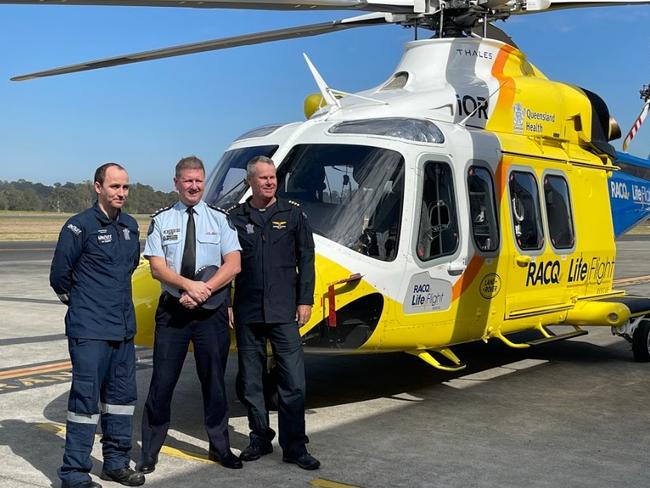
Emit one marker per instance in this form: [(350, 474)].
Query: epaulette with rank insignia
[(293, 202), (218, 209), (231, 208), (160, 210)]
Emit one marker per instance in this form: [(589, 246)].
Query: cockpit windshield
[(351, 194), (228, 183)]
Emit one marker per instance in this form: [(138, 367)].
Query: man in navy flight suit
[(274, 294), (96, 254), (182, 239)]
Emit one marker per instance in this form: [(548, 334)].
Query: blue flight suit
[(277, 274), (176, 326), (91, 273)]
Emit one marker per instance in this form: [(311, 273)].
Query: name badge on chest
[(104, 237), (170, 234)]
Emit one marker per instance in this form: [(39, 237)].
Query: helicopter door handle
[(523, 261), (456, 268)]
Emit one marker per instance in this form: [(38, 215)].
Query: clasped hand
[(196, 293)]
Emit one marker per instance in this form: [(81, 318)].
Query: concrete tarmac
[(569, 414)]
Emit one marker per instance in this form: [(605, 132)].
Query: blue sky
[(149, 115)]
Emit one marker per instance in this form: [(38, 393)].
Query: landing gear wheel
[(641, 342)]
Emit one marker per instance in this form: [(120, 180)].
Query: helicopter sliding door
[(428, 299), (438, 227), (543, 238)]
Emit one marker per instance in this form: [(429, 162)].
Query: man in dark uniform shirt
[(96, 254), (274, 294)]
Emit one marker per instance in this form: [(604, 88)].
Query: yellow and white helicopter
[(465, 198)]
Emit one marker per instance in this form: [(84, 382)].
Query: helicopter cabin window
[(351, 194), (227, 183), (526, 215), (438, 233), (482, 208), (558, 212)]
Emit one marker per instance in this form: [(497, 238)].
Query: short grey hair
[(190, 162), (257, 159)]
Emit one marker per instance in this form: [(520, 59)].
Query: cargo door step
[(552, 337)]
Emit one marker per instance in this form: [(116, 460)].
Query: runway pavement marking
[(59, 429), (31, 339), (481, 377), (45, 374), (188, 456), (635, 280), (28, 250), (31, 300), (35, 369), (323, 483)]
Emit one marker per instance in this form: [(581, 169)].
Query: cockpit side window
[(482, 208), (438, 232), (227, 183), (352, 194), (558, 212), (525, 211)]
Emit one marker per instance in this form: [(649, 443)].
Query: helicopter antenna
[(329, 94), (645, 96), (361, 97), (326, 91), (483, 103)]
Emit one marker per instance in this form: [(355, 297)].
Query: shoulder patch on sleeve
[(73, 228), (293, 202), (160, 210), (230, 224), (152, 224)]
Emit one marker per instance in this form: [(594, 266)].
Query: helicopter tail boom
[(629, 192)]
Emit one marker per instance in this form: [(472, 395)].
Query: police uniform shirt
[(91, 268), (166, 237)]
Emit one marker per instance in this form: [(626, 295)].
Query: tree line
[(75, 197)]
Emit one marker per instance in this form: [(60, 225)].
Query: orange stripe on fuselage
[(474, 266), (501, 117), (503, 107), (507, 84), (476, 262), (500, 176)]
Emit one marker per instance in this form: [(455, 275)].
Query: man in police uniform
[(96, 254), (183, 239), (274, 294)]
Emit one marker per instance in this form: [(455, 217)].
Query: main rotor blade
[(395, 6), (215, 44)]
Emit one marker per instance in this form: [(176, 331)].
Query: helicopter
[(465, 198)]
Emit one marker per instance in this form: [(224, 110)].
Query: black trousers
[(290, 367), (208, 330)]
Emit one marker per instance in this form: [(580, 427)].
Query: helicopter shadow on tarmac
[(331, 381), (37, 444), (336, 380)]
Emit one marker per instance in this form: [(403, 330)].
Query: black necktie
[(188, 264)]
